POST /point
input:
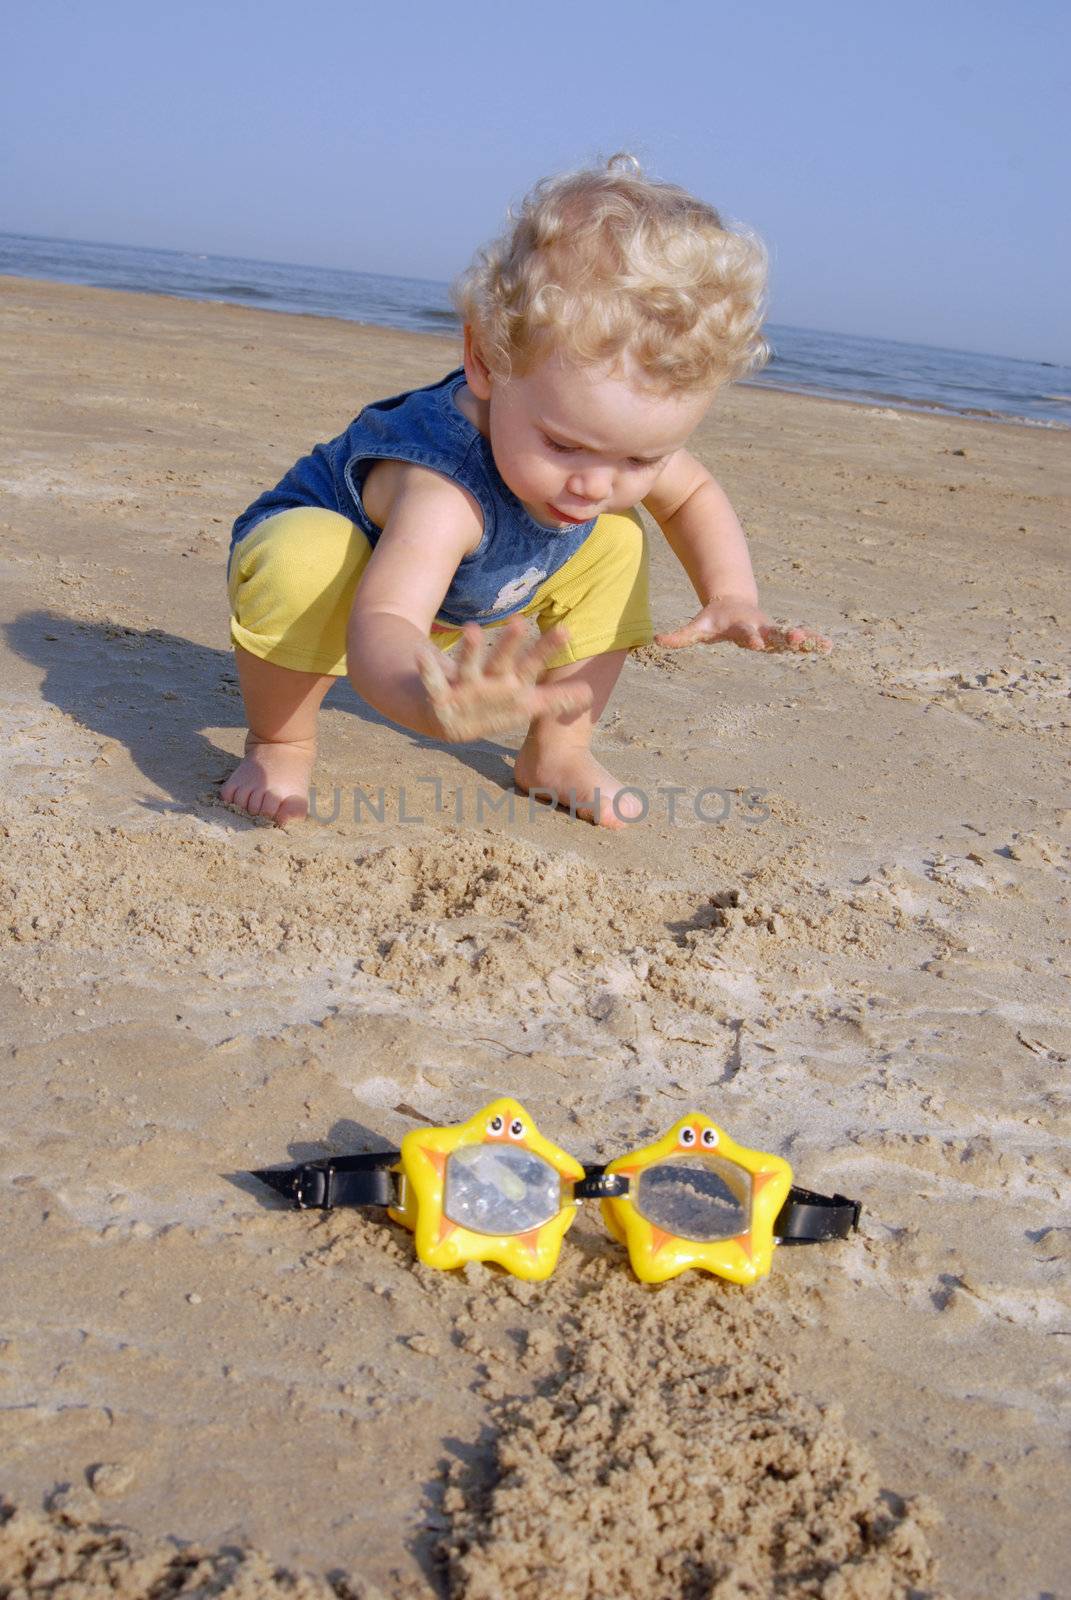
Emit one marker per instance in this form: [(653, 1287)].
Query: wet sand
[(848, 944)]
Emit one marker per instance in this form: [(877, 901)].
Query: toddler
[(597, 332)]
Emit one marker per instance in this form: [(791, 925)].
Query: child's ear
[(477, 372)]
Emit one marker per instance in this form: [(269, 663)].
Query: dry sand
[(863, 968)]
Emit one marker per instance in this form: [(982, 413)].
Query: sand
[(862, 965)]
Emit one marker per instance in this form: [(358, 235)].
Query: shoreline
[(882, 401), (867, 977), (913, 408)]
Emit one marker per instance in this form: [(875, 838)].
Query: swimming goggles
[(494, 1189)]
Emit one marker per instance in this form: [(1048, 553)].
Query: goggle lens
[(696, 1196), (500, 1189)]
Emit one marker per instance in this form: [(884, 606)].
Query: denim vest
[(515, 554)]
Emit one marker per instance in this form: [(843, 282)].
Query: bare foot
[(273, 780), (575, 776)]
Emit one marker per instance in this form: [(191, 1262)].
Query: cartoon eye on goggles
[(494, 1189)]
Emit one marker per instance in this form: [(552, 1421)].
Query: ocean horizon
[(867, 371)]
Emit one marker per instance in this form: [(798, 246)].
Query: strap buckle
[(312, 1188)]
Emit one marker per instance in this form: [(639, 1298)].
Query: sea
[(840, 366)]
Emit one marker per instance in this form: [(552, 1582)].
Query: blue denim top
[(424, 426)]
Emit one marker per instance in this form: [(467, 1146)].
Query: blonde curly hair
[(605, 264)]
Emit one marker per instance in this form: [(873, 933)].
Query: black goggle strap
[(361, 1180), (808, 1218), (366, 1180)]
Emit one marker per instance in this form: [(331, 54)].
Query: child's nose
[(593, 484)]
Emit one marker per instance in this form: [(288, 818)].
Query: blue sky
[(906, 164)]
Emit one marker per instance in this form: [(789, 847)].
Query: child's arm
[(430, 526), (705, 535)]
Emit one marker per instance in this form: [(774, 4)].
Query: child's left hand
[(740, 622)]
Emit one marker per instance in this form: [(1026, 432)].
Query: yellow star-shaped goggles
[(494, 1189)]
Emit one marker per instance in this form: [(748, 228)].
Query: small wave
[(825, 366), (898, 402), (241, 291)]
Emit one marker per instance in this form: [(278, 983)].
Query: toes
[(234, 791), (280, 807), (246, 797), (237, 789), (609, 819), (249, 789), (627, 811), (292, 808), (629, 807)]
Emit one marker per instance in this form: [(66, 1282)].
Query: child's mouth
[(563, 516)]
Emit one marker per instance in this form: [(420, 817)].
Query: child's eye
[(638, 461), (562, 449)]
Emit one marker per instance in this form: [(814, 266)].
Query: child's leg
[(291, 587), (601, 596), (556, 754), (281, 707)]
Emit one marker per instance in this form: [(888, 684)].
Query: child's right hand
[(493, 691)]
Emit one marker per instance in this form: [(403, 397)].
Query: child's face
[(572, 442)]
